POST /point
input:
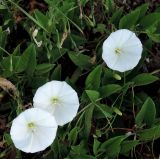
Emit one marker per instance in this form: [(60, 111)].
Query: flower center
[(118, 50), (55, 100), (31, 126)]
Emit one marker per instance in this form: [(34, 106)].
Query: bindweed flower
[(58, 98), (33, 130), (122, 50)]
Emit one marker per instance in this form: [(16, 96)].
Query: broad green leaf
[(112, 146), (8, 65), (56, 54), (143, 9), (16, 51), (7, 138), (32, 62), (94, 79), (96, 146), (129, 20), (102, 111), (79, 149), (93, 95), (72, 136), (3, 41), (44, 68), (27, 61), (56, 75), (41, 18), (116, 16), (38, 81), (88, 120), (149, 134), (154, 37), (109, 89), (127, 146), (150, 19), (147, 113), (144, 79), (80, 60)]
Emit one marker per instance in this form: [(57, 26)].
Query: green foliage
[(129, 20), (147, 113), (126, 146), (27, 61), (110, 89), (82, 61), (144, 79), (93, 79), (112, 104), (112, 146), (44, 68), (149, 134)]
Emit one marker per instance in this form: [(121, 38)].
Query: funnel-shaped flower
[(122, 50), (58, 98), (33, 130)]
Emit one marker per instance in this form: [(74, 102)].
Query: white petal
[(130, 46), (112, 60), (65, 113), (68, 105), (33, 141)]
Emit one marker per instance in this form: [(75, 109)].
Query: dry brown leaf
[(7, 86)]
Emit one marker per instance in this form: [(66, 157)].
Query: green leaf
[(94, 79), (3, 40), (80, 60), (150, 19), (28, 15), (112, 146), (8, 65), (102, 111), (56, 75), (7, 138), (88, 121), (129, 20), (126, 146), (72, 136), (44, 68), (147, 113), (149, 134), (56, 54), (16, 51), (27, 61), (96, 145), (143, 9), (154, 37), (93, 95), (41, 18), (116, 16), (109, 89), (144, 79)]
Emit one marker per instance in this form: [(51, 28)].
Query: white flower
[(58, 98), (122, 50), (33, 130)]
